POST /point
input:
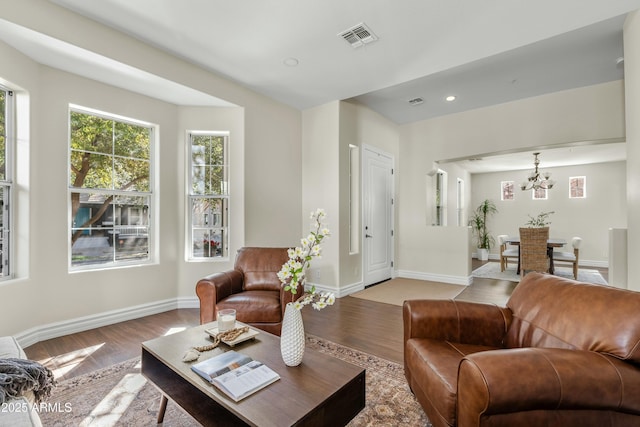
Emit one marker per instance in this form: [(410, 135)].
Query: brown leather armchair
[(252, 288), (561, 353)]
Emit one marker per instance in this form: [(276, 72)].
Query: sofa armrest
[(527, 379), (456, 321), (213, 288)]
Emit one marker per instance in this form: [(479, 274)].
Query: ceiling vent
[(358, 36), (416, 101)]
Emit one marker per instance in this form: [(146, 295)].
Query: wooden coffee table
[(322, 391)]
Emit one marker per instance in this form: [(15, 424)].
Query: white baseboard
[(454, 280), (71, 326), (339, 293)]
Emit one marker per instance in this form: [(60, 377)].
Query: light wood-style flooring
[(372, 327)]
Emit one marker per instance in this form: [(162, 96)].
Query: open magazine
[(236, 374)]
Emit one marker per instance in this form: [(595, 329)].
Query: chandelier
[(536, 179)]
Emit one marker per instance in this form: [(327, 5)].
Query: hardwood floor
[(372, 327)]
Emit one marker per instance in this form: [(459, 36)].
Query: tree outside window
[(110, 189)]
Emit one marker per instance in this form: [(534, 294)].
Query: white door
[(377, 191)]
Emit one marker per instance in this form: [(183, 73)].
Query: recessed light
[(450, 98), (291, 62)]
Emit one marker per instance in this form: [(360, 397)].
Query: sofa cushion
[(434, 370), (549, 311), (263, 306), (260, 267), (9, 348)]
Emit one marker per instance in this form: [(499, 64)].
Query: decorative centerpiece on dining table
[(293, 276), (541, 220)]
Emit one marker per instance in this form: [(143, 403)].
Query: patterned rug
[(491, 270), (120, 396)]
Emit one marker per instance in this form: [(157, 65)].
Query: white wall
[(632, 99), (320, 188), (328, 131), (589, 113), (590, 218), (45, 299), (360, 126)]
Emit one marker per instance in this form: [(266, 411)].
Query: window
[(577, 187), (506, 190), (208, 195), (460, 202), (7, 109), (441, 198), (109, 189)]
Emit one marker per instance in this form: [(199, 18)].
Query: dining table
[(551, 243)]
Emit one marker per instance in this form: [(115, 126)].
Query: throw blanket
[(19, 375)]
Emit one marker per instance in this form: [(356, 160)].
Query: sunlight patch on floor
[(62, 364), (109, 411)]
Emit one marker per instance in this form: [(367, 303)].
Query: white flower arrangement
[(293, 272)]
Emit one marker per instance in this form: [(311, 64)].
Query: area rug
[(120, 396), (491, 270), (396, 291)]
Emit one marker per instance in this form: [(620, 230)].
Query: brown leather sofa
[(561, 353), (252, 288)]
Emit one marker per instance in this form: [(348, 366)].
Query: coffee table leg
[(163, 408)]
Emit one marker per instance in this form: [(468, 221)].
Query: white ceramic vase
[(292, 339)]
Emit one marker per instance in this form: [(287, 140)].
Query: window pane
[(109, 228), (131, 174), (91, 229), (208, 169), (91, 170), (91, 133), (208, 243), (209, 224), (131, 141)]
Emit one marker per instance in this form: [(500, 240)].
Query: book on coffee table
[(236, 374)]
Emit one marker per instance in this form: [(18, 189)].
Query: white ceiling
[(485, 53)]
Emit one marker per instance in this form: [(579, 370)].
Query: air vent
[(416, 101), (358, 36)]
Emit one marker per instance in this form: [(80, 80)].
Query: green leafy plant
[(478, 223), (542, 220)]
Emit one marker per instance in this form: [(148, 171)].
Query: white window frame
[(7, 230), (116, 223), (192, 250)]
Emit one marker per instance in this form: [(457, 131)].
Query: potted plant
[(542, 220), (478, 223)]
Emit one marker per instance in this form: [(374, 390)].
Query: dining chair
[(533, 250), (570, 257), (505, 253)]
